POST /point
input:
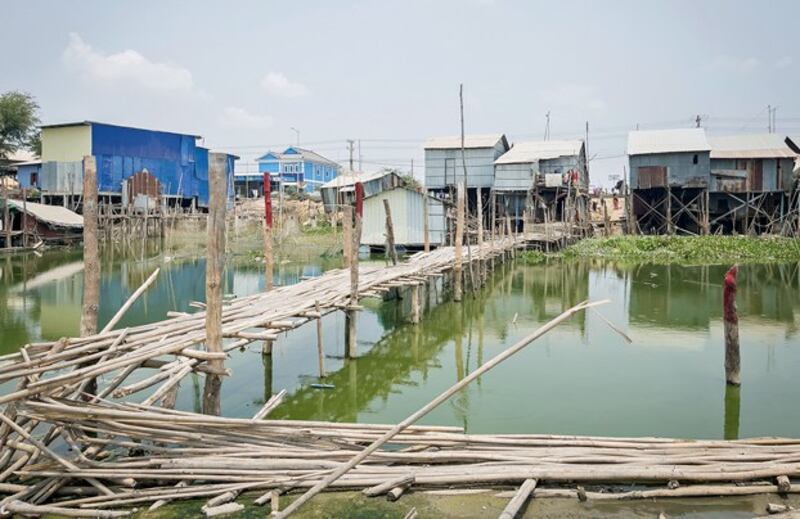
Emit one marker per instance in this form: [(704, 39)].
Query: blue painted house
[(298, 167), (174, 159)]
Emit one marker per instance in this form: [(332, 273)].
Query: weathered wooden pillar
[(426, 224), (268, 260), (481, 261), (731, 325), (91, 260), (391, 249), (320, 349), (352, 343), (606, 220), (415, 304), (347, 234), (670, 229), (215, 262), (459, 238), (706, 212)]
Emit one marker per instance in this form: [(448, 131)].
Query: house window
[(35, 178), (694, 159)]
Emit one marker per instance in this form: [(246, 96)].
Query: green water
[(581, 378)]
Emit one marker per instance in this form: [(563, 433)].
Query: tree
[(19, 120)]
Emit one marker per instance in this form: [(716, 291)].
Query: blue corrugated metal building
[(179, 164)]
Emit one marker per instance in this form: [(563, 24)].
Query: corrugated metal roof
[(470, 141), (349, 178), (20, 156), (667, 141), (524, 152), (52, 214), (89, 123), (765, 145)]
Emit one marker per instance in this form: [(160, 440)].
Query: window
[(34, 178), (694, 159)]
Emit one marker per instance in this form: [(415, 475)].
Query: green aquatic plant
[(688, 249)]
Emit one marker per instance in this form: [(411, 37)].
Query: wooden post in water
[(215, 262), (426, 224), (606, 220), (731, 324), (352, 349), (91, 262), (415, 304), (459, 238), (6, 215), (481, 264), (24, 217), (391, 250), (268, 262), (320, 349)]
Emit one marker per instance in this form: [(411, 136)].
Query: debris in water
[(323, 386)]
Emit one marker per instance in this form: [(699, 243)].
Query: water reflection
[(582, 378)]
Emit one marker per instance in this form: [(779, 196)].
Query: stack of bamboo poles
[(149, 455)]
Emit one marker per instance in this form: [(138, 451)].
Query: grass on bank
[(688, 249)]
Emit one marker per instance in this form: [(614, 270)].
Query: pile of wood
[(127, 455)]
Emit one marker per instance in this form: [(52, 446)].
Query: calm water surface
[(581, 378)]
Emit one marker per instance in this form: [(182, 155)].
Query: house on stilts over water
[(684, 182)]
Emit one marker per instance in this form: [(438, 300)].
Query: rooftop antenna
[(697, 121)]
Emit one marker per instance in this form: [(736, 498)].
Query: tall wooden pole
[(459, 238), (347, 234), (426, 224), (352, 350), (320, 348), (481, 263), (91, 261), (24, 217), (268, 261), (215, 262), (731, 325), (391, 249)]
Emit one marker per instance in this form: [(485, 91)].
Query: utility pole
[(360, 168), (769, 118), (547, 126), (463, 153), (697, 121), (295, 130), (350, 147), (412, 167)]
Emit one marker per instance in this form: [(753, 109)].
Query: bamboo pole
[(731, 325), (6, 214), (347, 235), (215, 262), (268, 259), (320, 349), (352, 344), (518, 501), (391, 249), (24, 217), (459, 239), (414, 417), (132, 299)]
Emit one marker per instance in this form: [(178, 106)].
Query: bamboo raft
[(67, 451)]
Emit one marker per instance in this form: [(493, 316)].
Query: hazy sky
[(242, 73)]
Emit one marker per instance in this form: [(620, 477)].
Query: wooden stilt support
[(518, 501), (320, 349), (391, 250), (347, 235), (459, 239), (24, 217), (215, 262), (268, 259), (426, 225), (415, 304), (731, 325), (352, 344)]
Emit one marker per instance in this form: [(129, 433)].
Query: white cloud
[(277, 84), (127, 66), (573, 96), (732, 64), (783, 62), (235, 117)]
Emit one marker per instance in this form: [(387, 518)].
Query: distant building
[(24, 165), (407, 207), (685, 182), (178, 165), (298, 167), (533, 177)]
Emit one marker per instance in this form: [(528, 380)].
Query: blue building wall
[(312, 173), (24, 175), (201, 176), (682, 170), (122, 151)]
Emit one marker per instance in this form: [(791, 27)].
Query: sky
[(249, 76)]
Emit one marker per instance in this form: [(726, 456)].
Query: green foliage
[(18, 123), (532, 257), (689, 249)]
